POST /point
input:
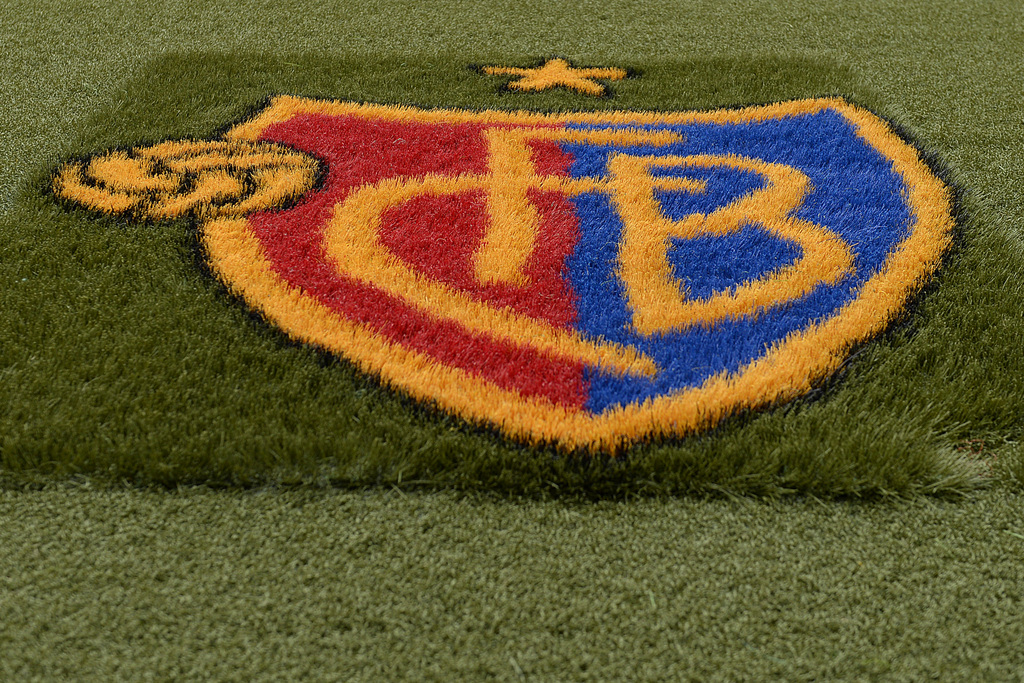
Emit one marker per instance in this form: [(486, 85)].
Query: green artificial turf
[(120, 359), (100, 585)]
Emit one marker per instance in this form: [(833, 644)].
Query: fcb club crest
[(587, 279)]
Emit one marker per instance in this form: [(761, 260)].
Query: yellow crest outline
[(787, 370)]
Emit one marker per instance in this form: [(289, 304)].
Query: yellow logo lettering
[(658, 300), (508, 242)]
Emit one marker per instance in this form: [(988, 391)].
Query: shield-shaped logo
[(588, 279)]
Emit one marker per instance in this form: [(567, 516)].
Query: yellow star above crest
[(558, 73)]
